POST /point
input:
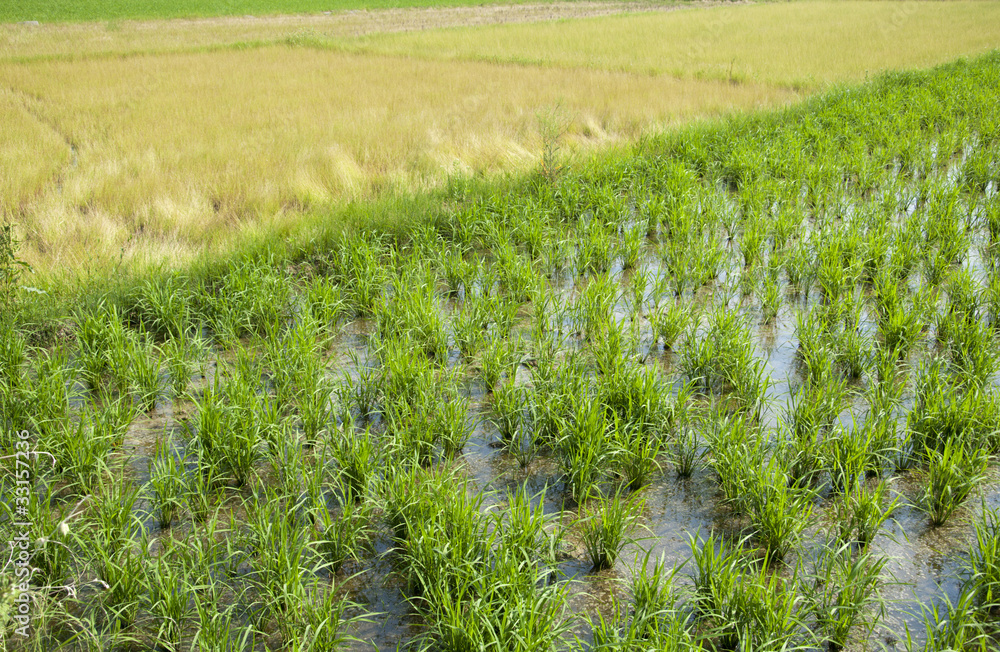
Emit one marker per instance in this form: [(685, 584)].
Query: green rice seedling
[(661, 287), (169, 594), (510, 607), (736, 450), (433, 570), (982, 572), (164, 307), (82, 455), (859, 513), (166, 479), (517, 276), (651, 212), (667, 629), (409, 493), (124, 577), (315, 405), (653, 597), (592, 307), (634, 453), (749, 384), (343, 536), (111, 527), (119, 354), (248, 299), (798, 266), (814, 407), (944, 410), (751, 243), (211, 419), (203, 490), (952, 474), (451, 422), (544, 302), (467, 328), (218, 628), (144, 372), (779, 511), (697, 359), (456, 270), (636, 283), (991, 299), (973, 351), (558, 256), (415, 430), (635, 394), (880, 431), (936, 266), (852, 353), (505, 314), (770, 299), (524, 447), (815, 352), (677, 258), (360, 390), (739, 605), (324, 300), (594, 249), (359, 459), (899, 329), (669, 321), (280, 552), (322, 622), (528, 532), (953, 626), (632, 242), (237, 442), (181, 356), (93, 339), (845, 596), (710, 259), (42, 405), (849, 458), (613, 348), (749, 282), (499, 358), (607, 526), (685, 451), (509, 405), (583, 448)]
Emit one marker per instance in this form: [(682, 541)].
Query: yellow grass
[(31, 155), (177, 152), (800, 43)]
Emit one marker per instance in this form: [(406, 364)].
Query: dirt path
[(26, 42)]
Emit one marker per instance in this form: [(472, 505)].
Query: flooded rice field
[(712, 398)]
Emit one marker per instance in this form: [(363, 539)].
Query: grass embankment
[(217, 462), (165, 156)]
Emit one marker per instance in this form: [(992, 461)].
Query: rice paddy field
[(142, 143), (732, 388)]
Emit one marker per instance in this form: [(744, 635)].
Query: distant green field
[(80, 10)]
